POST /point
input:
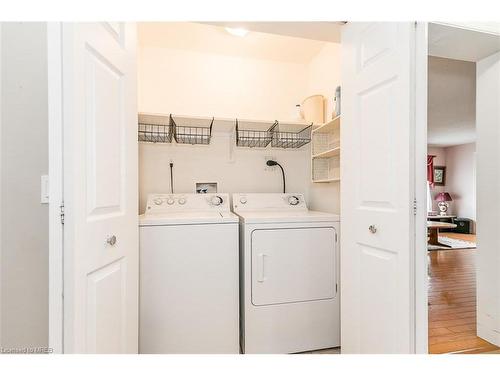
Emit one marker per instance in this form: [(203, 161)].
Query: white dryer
[(289, 274), (189, 281)]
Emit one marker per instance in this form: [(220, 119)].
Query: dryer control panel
[(271, 201), (165, 203)]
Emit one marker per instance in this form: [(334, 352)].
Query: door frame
[(420, 203), (56, 193), (421, 281)]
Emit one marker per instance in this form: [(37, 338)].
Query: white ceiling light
[(237, 31)]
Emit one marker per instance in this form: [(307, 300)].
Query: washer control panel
[(271, 201), (164, 203), (293, 200)]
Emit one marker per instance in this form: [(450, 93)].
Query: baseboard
[(488, 334)]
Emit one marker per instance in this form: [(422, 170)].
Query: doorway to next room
[(451, 194)]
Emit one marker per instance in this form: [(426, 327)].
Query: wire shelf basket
[(290, 139), (194, 131), (155, 128), (252, 137)]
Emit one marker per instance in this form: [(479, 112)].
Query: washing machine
[(189, 283), (289, 274)]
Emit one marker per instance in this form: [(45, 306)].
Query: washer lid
[(186, 218), (271, 216)]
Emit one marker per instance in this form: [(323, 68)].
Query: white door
[(377, 188), (293, 265), (100, 188)]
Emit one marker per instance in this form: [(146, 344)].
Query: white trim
[(1, 99), (420, 260), (488, 334), (492, 28), (54, 57)]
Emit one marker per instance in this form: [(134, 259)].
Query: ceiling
[(461, 44), (214, 39), (454, 50), (323, 31)]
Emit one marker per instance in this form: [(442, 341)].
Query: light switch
[(44, 195)]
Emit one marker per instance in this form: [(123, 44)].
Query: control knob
[(170, 201), (182, 201), (158, 201), (216, 200), (293, 200)]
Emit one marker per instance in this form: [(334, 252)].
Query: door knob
[(372, 228), (111, 240)]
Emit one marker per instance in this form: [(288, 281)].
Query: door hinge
[(61, 207), (336, 238), (336, 288), (415, 207)]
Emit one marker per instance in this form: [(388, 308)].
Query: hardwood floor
[(452, 301)]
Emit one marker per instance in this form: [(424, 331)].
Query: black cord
[(172, 178), (272, 163), (283, 173)]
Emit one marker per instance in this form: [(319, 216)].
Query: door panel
[(376, 189), (376, 168), (100, 188), (293, 265), (105, 94), (377, 305), (106, 296)]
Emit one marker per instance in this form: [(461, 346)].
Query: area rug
[(454, 243)]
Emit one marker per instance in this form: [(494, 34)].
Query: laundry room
[(197, 71), (239, 175), (238, 187)]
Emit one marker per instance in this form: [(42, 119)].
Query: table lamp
[(443, 199)]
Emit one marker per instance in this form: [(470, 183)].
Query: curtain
[(430, 169), (430, 180)]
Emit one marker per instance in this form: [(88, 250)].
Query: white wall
[(488, 198), (204, 83), (451, 102), (247, 173), (24, 158), (209, 84), (461, 179)]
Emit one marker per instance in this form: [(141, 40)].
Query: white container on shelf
[(313, 109)]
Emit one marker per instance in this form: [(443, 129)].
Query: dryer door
[(293, 265)]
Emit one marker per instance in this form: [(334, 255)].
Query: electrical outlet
[(268, 157), (206, 187)]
